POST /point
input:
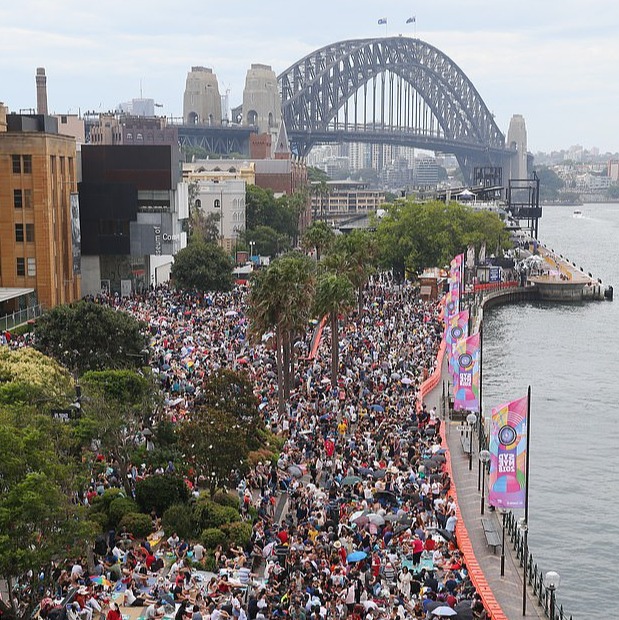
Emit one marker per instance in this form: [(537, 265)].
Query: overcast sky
[(556, 62)]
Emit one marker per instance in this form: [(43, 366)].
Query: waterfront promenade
[(507, 590)]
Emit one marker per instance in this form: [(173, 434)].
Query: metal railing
[(10, 321), (535, 578)]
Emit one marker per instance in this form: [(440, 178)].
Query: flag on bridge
[(508, 454), (411, 20), (466, 365), (382, 20)]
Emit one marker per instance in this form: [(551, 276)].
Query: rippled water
[(568, 354)]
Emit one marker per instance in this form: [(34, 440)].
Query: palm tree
[(280, 300), (335, 295), (319, 237), (355, 256)]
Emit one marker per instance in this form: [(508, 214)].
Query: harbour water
[(567, 354)]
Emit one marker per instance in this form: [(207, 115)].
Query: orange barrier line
[(466, 548), (462, 536)]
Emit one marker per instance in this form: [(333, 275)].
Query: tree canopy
[(86, 336), (273, 223), (202, 267), (416, 236), (280, 300), (222, 428)]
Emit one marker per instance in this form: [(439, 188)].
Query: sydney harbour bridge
[(392, 90)]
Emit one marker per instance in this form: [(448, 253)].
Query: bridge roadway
[(507, 590)]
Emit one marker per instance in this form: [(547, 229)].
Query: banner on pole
[(508, 455), (456, 329), (466, 363)]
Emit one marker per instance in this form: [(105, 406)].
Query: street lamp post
[(553, 579), (503, 512), (471, 419), (523, 526), (251, 248), (484, 458)]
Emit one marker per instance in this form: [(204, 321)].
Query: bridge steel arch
[(418, 97)]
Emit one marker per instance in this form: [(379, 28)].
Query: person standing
[(404, 583)]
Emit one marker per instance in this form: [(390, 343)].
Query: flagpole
[(525, 550)]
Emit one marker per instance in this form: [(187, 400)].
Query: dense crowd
[(354, 521)]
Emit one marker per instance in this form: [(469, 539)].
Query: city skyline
[(550, 62)]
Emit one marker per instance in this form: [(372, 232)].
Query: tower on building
[(262, 105), (41, 79), (202, 101)]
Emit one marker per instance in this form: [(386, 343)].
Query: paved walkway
[(508, 589)]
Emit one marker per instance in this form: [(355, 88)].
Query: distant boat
[(577, 213)]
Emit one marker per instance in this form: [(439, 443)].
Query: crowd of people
[(356, 519)]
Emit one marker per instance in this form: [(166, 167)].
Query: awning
[(13, 293)]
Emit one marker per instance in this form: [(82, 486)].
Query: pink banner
[(508, 454), (466, 364)]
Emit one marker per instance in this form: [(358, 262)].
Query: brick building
[(39, 212)]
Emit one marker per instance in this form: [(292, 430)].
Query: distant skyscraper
[(202, 101), (517, 141)]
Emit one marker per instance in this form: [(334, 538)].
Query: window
[(27, 164), (19, 233), (17, 199), (16, 164), (27, 194), (21, 266), (32, 266), (29, 232)]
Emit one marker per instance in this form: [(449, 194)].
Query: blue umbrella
[(356, 556), (378, 408)]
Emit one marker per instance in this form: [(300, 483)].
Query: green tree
[(39, 521), (214, 445), (321, 192), (550, 184), (318, 237), (268, 241), (202, 267), (355, 256), (280, 300), (316, 175), (263, 209), (89, 336), (117, 405), (335, 296), (234, 392), (415, 236)]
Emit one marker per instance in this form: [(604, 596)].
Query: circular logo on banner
[(451, 306), (507, 435), (465, 360), (456, 332)]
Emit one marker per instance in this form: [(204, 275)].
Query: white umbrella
[(356, 515), (376, 519), (444, 611)]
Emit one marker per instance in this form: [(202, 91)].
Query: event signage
[(508, 454), (466, 363), (457, 328)]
